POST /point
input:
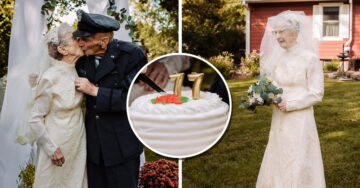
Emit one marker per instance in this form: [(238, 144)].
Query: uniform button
[(97, 85), (94, 106), (116, 84), (97, 117)]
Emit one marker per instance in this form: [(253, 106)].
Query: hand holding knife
[(151, 83)]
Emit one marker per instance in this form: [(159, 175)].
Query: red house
[(339, 22)]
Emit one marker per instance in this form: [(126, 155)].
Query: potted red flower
[(161, 173)]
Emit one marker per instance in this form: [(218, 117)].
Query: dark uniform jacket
[(108, 132), (219, 87)]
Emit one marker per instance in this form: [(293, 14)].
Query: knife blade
[(151, 83)]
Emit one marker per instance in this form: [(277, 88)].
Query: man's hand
[(58, 158), (158, 73), (144, 70), (83, 85)]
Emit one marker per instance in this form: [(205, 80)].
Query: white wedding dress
[(57, 118), (292, 157)]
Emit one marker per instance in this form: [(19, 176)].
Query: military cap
[(89, 24)]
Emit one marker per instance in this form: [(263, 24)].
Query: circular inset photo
[(179, 105)]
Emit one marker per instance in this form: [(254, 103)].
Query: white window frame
[(322, 5)]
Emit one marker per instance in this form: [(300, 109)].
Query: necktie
[(97, 61)]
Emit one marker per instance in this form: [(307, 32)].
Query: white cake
[(179, 130)]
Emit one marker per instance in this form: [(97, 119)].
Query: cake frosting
[(179, 129)]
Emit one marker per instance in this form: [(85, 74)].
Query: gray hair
[(284, 19), (62, 39)]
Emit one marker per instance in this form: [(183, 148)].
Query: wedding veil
[(37, 62), (270, 50)]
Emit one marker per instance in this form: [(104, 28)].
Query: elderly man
[(105, 74)]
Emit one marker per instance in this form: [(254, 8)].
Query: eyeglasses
[(278, 31)]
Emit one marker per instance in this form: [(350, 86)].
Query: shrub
[(161, 173), (26, 177), (252, 63), (224, 63), (332, 66)]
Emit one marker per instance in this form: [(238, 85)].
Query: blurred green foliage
[(66, 6), (213, 27), (122, 17), (6, 13), (156, 23), (224, 62), (26, 176)]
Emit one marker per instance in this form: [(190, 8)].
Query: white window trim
[(331, 4), (322, 5)]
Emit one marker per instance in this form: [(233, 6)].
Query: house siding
[(261, 12), (355, 48)]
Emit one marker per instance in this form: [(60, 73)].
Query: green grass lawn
[(235, 160)]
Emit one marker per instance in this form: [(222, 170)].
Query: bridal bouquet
[(260, 93), (160, 173)]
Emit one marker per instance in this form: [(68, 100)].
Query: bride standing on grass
[(289, 57)]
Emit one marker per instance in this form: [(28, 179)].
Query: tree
[(156, 23), (211, 27), (6, 13), (66, 6)]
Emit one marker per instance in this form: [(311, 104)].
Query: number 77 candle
[(197, 78), (178, 78)]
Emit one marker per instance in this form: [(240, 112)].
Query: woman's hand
[(274, 100), (282, 106), (58, 158)]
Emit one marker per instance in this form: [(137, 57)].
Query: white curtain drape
[(331, 29), (26, 32)]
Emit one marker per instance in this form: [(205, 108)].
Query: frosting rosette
[(169, 98)]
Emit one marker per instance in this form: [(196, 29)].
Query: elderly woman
[(289, 57), (56, 117)]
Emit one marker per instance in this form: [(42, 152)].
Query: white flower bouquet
[(261, 93)]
